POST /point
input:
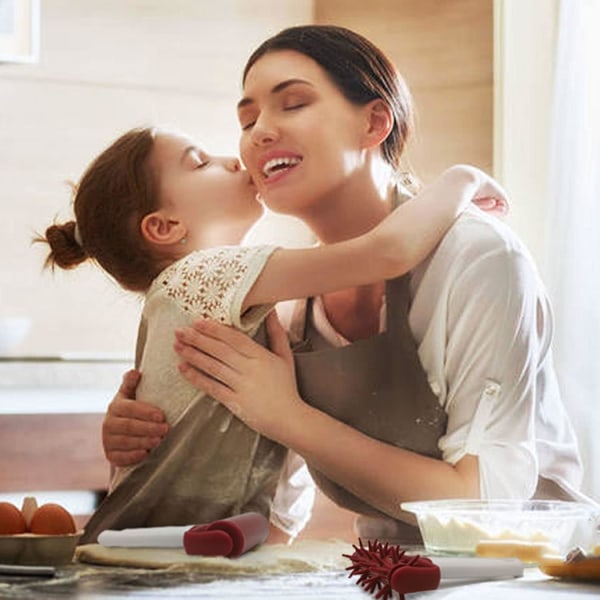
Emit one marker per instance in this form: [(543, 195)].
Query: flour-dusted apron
[(376, 385), (209, 466)]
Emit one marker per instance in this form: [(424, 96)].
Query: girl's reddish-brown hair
[(116, 191)]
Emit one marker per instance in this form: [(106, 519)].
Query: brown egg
[(11, 519), (52, 519)]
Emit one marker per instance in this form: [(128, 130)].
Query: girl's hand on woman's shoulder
[(491, 196)]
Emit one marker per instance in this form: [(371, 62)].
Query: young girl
[(163, 217)]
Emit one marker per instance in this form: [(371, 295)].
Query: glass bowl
[(459, 526), (36, 549)]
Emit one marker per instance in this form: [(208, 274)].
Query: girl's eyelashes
[(200, 159)]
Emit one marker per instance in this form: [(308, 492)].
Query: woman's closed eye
[(294, 101), (248, 124), (295, 106)]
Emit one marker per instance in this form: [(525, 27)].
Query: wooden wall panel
[(52, 452), (444, 50)]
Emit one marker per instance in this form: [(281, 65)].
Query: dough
[(300, 557), (462, 536)]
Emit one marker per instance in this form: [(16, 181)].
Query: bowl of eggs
[(36, 535)]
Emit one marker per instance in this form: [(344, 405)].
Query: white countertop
[(53, 385)]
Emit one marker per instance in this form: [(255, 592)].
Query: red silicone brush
[(383, 569)]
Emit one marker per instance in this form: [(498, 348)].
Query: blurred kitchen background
[(506, 85)]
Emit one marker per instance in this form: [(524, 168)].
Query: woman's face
[(301, 138), (201, 190)]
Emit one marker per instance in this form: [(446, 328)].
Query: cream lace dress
[(207, 284), (210, 465)]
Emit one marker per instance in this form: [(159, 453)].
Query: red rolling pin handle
[(228, 537), (418, 575)]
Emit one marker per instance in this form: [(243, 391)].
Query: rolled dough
[(300, 557)]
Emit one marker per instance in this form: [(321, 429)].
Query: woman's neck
[(355, 312), (360, 206), (350, 210)]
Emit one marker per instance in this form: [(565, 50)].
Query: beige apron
[(209, 466), (376, 385)]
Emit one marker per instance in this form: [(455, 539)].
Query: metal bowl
[(35, 549), (459, 526)]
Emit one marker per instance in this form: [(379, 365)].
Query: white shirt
[(483, 326)]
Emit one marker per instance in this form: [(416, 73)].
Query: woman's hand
[(255, 384), (131, 427)]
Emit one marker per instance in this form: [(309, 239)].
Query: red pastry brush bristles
[(383, 568)]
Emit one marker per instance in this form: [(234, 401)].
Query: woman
[(473, 410)]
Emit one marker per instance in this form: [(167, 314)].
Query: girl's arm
[(395, 246)]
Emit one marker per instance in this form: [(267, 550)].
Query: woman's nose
[(263, 132)]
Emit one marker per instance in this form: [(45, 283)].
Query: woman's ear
[(157, 228), (379, 122)]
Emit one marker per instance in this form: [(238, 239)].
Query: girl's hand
[(491, 196), (131, 427), (496, 206), (257, 385)]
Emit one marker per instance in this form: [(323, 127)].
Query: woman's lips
[(276, 164)]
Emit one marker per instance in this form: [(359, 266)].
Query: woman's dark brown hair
[(115, 193), (357, 67)]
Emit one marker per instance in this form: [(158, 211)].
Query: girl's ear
[(379, 122), (157, 228)]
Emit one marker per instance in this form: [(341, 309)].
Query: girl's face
[(301, 138), (211, 195)]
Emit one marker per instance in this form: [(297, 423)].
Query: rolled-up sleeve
[(498, 332)]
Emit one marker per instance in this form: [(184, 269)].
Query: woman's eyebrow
[(276, 89)]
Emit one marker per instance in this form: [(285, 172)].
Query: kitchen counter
[(59, 384), (95, 582)]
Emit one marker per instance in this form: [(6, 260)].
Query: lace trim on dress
[(204, 281)]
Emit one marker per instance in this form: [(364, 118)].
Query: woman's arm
[(395, 246), (259, 387)]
